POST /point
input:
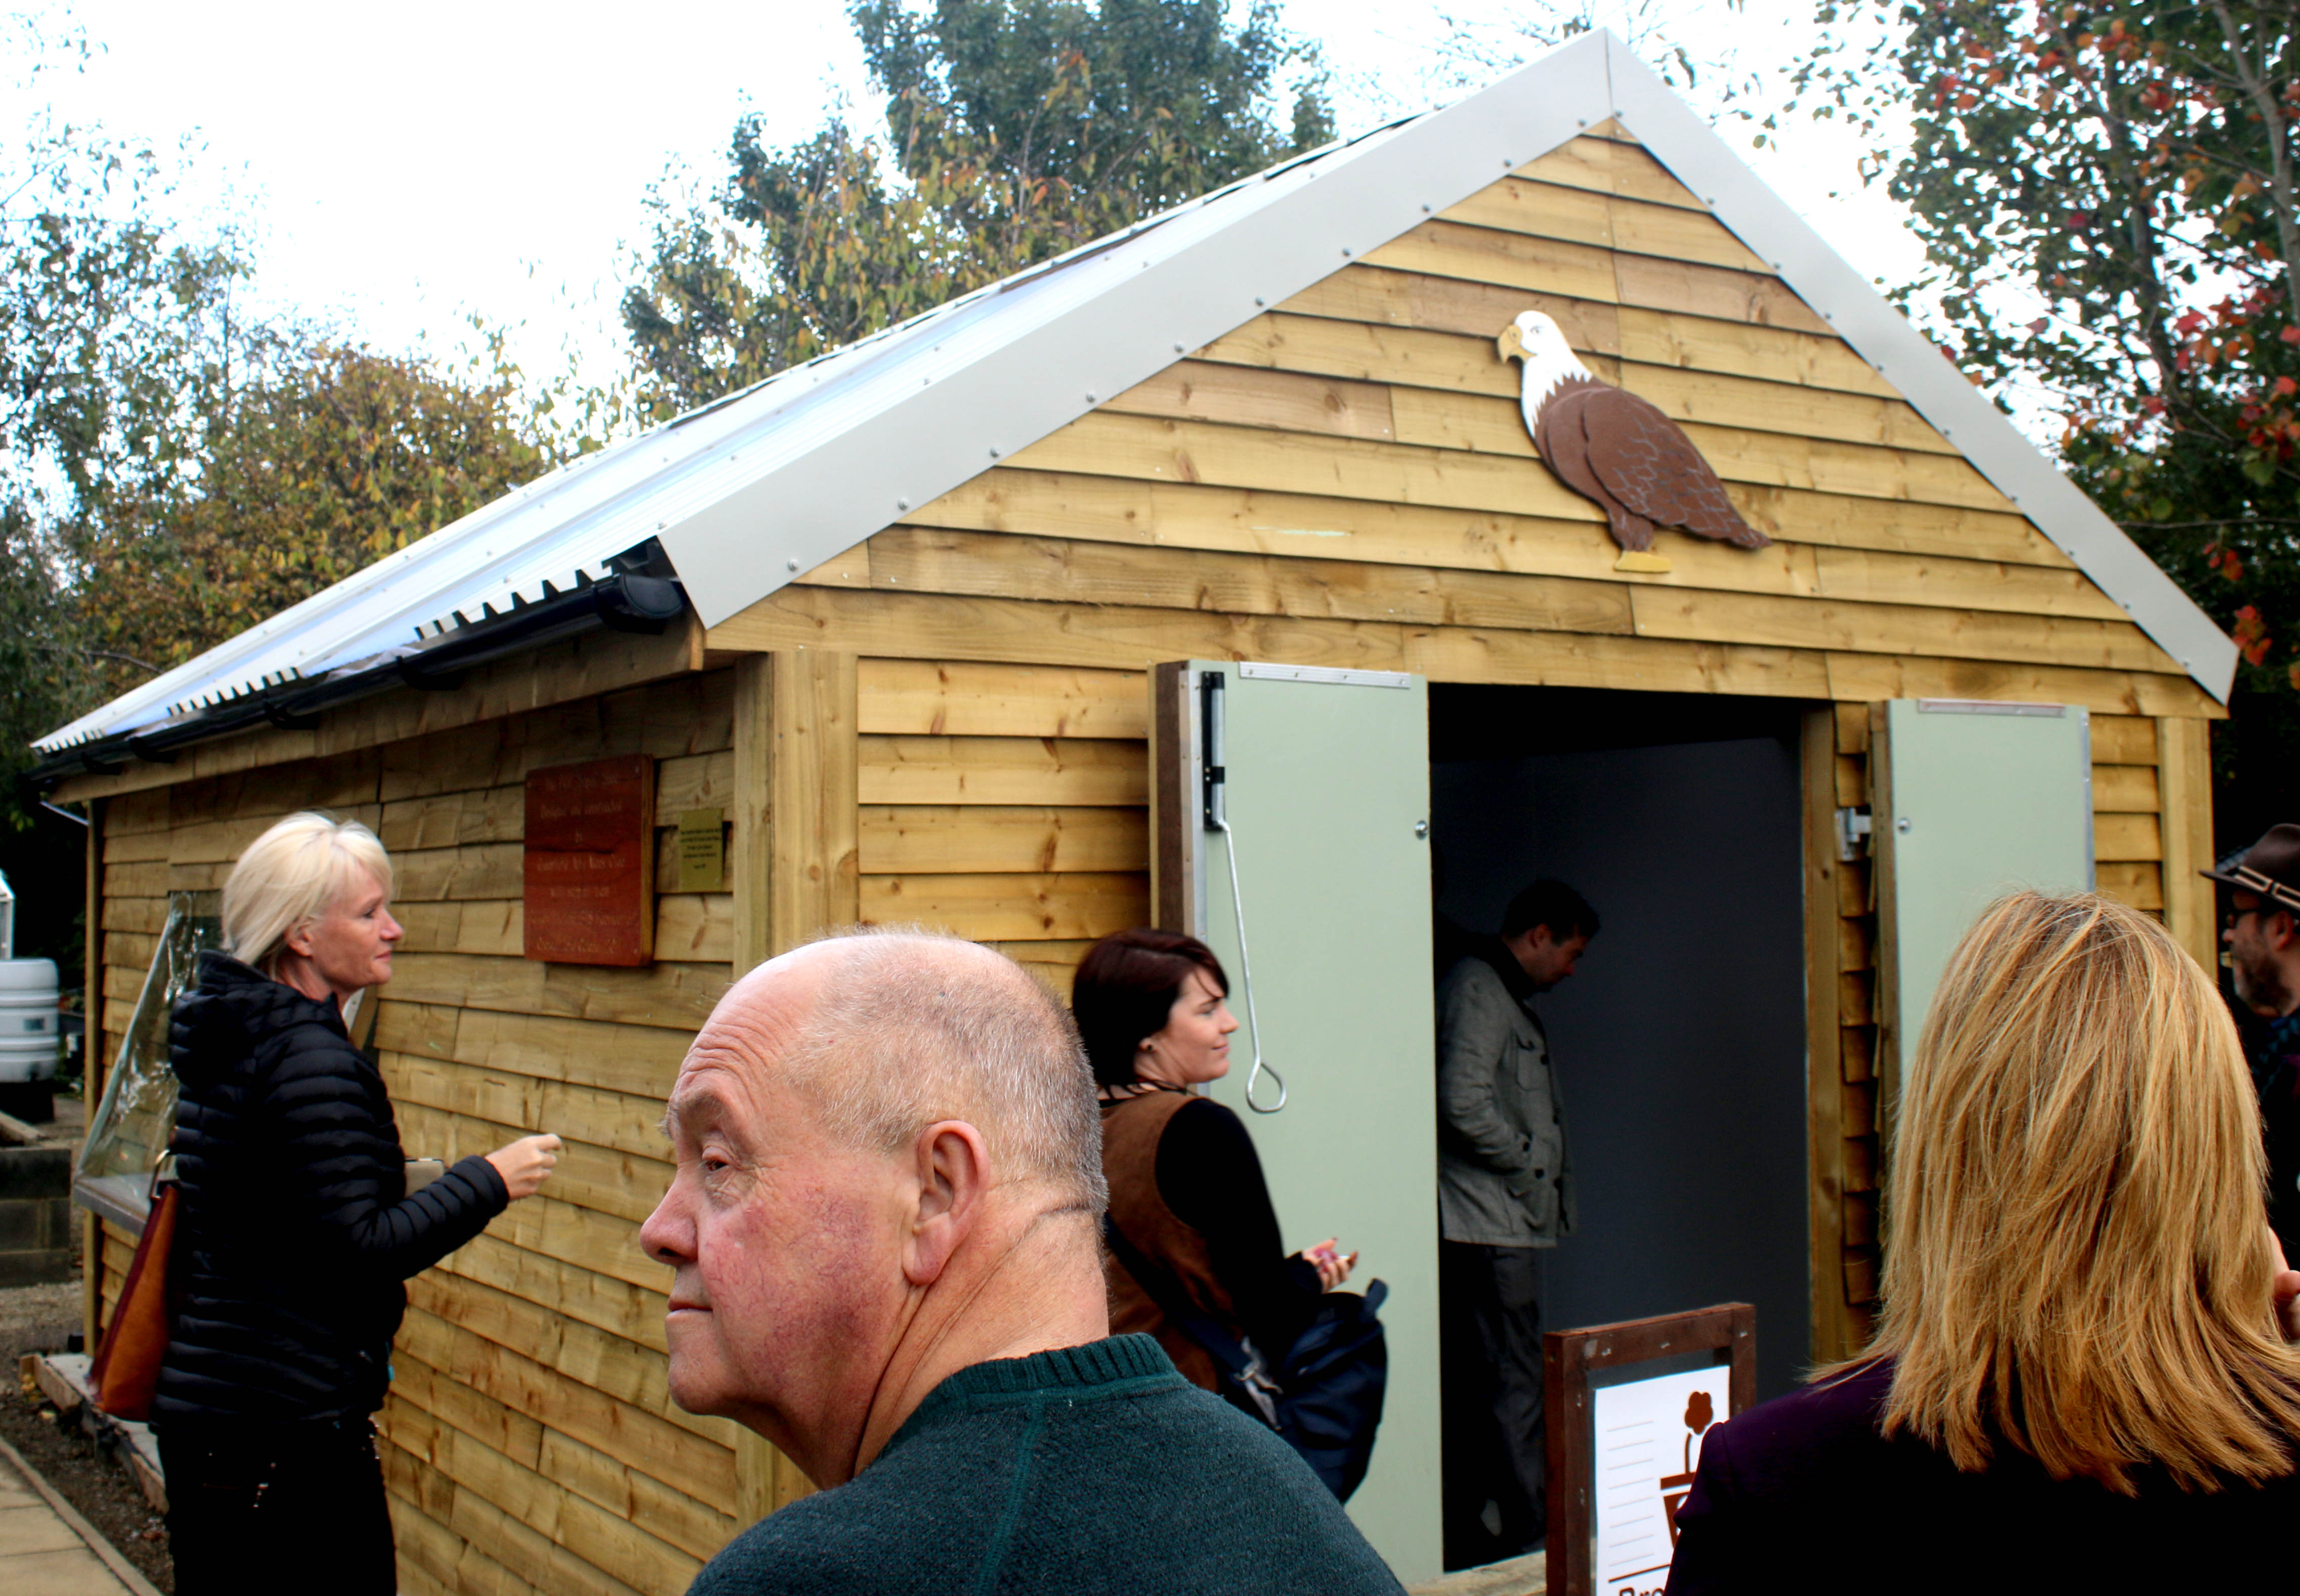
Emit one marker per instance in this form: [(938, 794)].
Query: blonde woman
[(296, 1229), (2081, 1378)]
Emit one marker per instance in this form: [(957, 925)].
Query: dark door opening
[(1679, 1043)]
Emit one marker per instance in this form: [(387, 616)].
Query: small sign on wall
[(702, 850), (590, 863), (1628, 1407)]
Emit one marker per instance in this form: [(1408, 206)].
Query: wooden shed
[(898, 617)]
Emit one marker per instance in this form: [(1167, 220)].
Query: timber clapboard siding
[(947, 724), (1348, 480)]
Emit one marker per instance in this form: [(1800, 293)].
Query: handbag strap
[(1166, 1292)]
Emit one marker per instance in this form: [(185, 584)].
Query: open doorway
[(1679, 1043)]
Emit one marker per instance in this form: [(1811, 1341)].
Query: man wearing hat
[(2260, 932)]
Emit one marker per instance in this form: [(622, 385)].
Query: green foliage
[(2106, 194), (114, 328), (329, 458), (173, 472), (1016, 129)]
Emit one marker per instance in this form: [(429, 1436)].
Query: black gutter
[(624, 603)]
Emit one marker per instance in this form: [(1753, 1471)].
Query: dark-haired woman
[(1186, 1189)]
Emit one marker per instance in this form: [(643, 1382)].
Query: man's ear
[(951, 1164)]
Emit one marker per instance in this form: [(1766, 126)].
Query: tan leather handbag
[(127, 1368)]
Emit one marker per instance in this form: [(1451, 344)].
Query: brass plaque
[(702, 850)]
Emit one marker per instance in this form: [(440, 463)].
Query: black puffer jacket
[(295, 1231)]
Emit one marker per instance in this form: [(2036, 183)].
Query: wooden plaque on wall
[(590, 863)]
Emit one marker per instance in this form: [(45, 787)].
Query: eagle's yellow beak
[(1511, 343)]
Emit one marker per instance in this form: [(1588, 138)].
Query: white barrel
[(29, 1023)]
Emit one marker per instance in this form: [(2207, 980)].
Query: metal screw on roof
[(994, 455), (902, 503), (1177, 349), (1425, 207), (1345, 252), (1259, 300), (1089, 398), (792, 563), (1580, 122)]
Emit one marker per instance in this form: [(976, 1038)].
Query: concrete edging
[(105, 1552)]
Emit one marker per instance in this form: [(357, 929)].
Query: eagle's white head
[(1535, 338)]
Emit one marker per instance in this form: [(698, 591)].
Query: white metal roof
[(776, 480)]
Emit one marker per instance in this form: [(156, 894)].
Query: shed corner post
[(2184, 774), (1830, 1325), (91, 1071), (792, 873)]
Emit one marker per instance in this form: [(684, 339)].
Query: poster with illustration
[(1648, 1435)]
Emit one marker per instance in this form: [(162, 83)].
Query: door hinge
[(1852, 831)]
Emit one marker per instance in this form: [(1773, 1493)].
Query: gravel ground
[(37, 1319)]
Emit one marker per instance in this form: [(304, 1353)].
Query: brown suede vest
[(1132, 1130)]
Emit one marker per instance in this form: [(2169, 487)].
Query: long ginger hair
[(2077, 1259)]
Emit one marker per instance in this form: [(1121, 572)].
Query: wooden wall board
[(1897, 629), (811, 794), (1000, 770), (1441, 304), (930, 839), (678, 996), (1053, 570), (1254, 520), (925, 625), (954, 698), (669, 1515), (1506, 260), (1610, 167), (586, 1297), (918, 560), (528, 1555), (641, 1059), (2184, 765), (1289, 401), (1011, 908)]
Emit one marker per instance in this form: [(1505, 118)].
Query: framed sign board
[(1627, 1405), (589, 867)]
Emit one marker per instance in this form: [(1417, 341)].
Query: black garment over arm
[(342, 1169), (1210, 1176)]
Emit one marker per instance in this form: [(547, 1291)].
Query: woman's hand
[(1334, 1267), (2286, 1288), (526, 1164)]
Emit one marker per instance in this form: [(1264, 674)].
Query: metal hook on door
[(1213, 786)]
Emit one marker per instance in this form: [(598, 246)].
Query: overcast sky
[(406, 166)]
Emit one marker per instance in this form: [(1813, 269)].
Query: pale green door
[(1327, 791), (1973, 799)]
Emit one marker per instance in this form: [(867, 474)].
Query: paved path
[(48, 1550)]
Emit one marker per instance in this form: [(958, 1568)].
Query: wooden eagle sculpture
[(1617, 449)]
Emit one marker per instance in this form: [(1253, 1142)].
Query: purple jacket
[(1803, 1493)]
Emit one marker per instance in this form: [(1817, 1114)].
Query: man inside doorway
[(1505, 1191), (2260, 928)]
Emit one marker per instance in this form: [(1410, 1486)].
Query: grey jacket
[(1503, 1176)]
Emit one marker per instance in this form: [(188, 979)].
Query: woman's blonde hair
[(293, 875), (2077, 1259)]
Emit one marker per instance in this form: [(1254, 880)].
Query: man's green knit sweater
[(1087, 1469)]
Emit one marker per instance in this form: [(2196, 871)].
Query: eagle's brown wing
[(1646, 461), (1563, 443)]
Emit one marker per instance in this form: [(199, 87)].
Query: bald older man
[(885, 1224)]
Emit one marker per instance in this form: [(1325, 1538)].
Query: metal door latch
[(1853, 832)]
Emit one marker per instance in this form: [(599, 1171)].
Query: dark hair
[(1551, 903), (1125, 990)]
